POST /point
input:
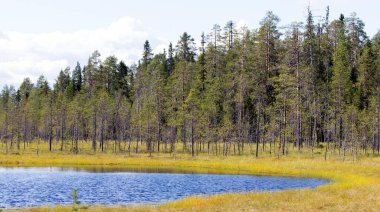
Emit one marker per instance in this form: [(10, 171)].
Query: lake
[(34, 187)]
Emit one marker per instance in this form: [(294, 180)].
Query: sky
[(42, 37)]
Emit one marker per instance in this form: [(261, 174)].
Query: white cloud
[(319, 2), (32, 54), (241, 24)]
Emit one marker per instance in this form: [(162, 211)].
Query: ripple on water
[(33, 187)]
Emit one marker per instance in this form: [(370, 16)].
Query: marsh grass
[(355, 185)]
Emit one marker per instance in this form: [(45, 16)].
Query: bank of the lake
[(355, 185), (41, 186)]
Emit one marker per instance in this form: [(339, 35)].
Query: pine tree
[(366, 79), (185, 48), (170, 59), (266, 62), (318, 83), (77, 78), (295, 72), (147, 54), (108, 75), (124, 80), (310, 63), (341, 83), (63, 80), (91, 72)]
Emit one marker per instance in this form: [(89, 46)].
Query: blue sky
[(44, 36)]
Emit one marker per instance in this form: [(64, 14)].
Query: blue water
[(30, 187)]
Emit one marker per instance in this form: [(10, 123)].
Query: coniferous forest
[(302, 86)]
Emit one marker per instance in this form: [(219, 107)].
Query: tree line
[(303, 86)]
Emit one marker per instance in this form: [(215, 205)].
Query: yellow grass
[(354, 187)]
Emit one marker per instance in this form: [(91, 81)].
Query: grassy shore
[(355, 185)]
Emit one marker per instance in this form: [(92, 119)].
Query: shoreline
[(342, 176)]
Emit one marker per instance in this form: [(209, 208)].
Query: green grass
[(355, 185)]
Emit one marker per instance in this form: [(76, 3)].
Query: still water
[(33, 187)]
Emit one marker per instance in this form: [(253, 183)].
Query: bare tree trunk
[(258, 128), (102, 132), (76, 133), (50, 123), (284, 121), (192, 137), (94, 128), (6, 129), (24, 129), (63, 123), (18, 130)]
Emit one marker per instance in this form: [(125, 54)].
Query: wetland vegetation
[(296, 101)]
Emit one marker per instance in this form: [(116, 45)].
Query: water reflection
[(31, 187)]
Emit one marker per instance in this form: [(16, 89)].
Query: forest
[(236, 91)]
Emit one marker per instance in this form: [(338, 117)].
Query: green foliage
[(320, 82), (77, 78), (341, 83), (367, 76)]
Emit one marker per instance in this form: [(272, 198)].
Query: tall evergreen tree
[(77, 78), (366, 79), (185, 48), (147, 54), (341, 83), (266, 61), (170, 59)]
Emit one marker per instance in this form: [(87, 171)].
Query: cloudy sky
[(44, 36)]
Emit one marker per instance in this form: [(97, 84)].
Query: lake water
[(31, 187)]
